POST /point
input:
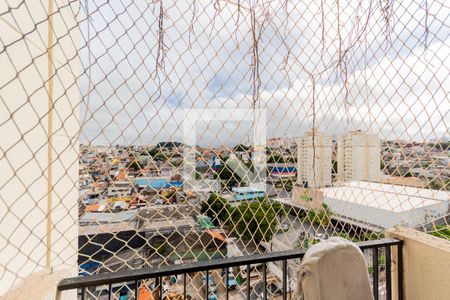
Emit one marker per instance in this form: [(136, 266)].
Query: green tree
[(381, 265), (135, 165), (227, 176), (408, 174), (347, 236), (321, 216), (362, 236), (217, 208), (153, 152), (278, 208), (289, 185), (305, 197), (292, 159), (441, 231), (241, 148), (302, 243), (439, 184), (161, 247), (275, 158), (370, 236), (440, 145), (254, 221)]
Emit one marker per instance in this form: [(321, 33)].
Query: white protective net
[(166, 132)]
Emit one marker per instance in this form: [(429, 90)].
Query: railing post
[(388, 272), (160, 291), (375, 272), (284, 279), (83, 293), (136, 290), (248, 281), (400, 270), (226, 279), (264, 281), (184, 285), (207, 284)]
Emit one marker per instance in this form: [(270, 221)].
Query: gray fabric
[(334, 269)]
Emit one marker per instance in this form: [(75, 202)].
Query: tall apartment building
[(358, 155), (314, 152)]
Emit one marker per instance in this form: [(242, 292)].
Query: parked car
[(320, 236), (232, 284)]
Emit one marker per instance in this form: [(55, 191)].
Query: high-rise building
[(358, 155), (314, 159)]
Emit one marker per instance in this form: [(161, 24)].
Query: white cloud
[(400, 91)]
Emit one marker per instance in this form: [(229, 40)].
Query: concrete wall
[(426, 264), (38, 233)]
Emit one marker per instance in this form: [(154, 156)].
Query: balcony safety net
[(139, 133)]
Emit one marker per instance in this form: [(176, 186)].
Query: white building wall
[(387, 205), (382, 218), (25, 220), (314, 159), (359, 156)]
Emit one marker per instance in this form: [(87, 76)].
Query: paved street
[(287, 240)]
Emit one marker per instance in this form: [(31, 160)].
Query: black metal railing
[(381, 263)]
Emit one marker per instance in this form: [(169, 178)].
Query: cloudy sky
[(360, 65)]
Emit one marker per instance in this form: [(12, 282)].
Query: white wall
[(23, 143), (426, 264), (385, 218), (358, 157)]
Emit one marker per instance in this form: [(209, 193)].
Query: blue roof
[(154, 183), (174, 184), (284, 169)]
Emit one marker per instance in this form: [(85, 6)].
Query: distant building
[(276, 142), (119, 189), (314, 159), (358, 156), (377, 206), (151, 183), (248, 193), (280, 142), (283, 172), (202, 186)]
